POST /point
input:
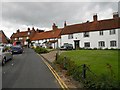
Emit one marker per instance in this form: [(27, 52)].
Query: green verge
[(103, 63)]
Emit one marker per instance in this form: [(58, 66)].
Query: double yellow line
[(60, 81)]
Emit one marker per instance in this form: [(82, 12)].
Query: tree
[(28, 40)]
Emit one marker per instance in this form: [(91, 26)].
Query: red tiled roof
[(20, 34), (3, 37), (92, 26), (47, 35), (23, 34)]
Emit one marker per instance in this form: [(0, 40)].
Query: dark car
[(17, 49), (66, 46)]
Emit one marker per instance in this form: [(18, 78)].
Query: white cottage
[(96, 34), (48, 39)]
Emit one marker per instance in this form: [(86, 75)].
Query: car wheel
[(3, 61)]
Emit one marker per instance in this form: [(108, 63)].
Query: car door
[(6, 54), (9, 54), (0, 54)]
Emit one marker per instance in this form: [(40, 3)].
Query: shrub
[(94, 48), (82, 48), (100, 48), (50, 47), (40, 50), (112, 49), (89, 48), (106, 49)]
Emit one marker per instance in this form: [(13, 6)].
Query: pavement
[(0, 76), (27, 70), (51, 56), (68, 80)]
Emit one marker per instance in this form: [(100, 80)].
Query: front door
[(77, 44)]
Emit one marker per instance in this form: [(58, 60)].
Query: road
[(27, 70)]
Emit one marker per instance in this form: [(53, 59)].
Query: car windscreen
[(70, 45), (15, 48)]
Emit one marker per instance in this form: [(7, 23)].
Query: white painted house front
[(48, 39), (94, 40), (97, 34), (53, 43)]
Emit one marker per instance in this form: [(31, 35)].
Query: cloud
[(43, 14)]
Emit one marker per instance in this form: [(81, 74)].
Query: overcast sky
[(20, 15)]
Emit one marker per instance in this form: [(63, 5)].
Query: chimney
[(18, 30), (33, 29), (28, 29), (37, 30), (54, 27), (115, 15), (95, 17), (87, 21), (65, 24)]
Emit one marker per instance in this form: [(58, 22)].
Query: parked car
[(17, 49), (5, 55), (66, 46), (9, 45)]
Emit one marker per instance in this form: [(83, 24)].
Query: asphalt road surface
[(27, 70)]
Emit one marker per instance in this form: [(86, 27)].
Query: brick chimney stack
[(18, 30), (54, 27), (28, 29), (33, 29), (65, 24), (95, 17), (115, 15)]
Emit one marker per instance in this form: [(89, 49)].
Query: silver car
[(5, 55)]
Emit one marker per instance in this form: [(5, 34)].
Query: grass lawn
[(97, 59)]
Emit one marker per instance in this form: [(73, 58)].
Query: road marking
[(60, 81)]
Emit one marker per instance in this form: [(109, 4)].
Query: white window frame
[(28, 33), (15, 38), (86, 34), (101, 43), (70, 36), (20, 38), (101, 33), (112, 32), (113, 43), (86, 43), (27, 37)]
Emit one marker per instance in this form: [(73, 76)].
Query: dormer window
[(28, 33), (100, 33), (70, 36), (27, 38), (15, 38), (20, 38), (86, 34), (112, 32)]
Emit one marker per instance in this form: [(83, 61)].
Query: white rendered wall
[(93, 38), (119, 38), (41, 42)]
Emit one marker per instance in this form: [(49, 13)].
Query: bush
[(40, 50), (89, 48), (82, 48), (100, 48), (106, 49), (94, 48)]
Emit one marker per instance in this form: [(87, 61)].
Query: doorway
[(77, 44)]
